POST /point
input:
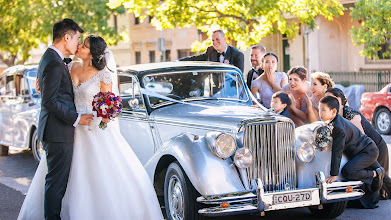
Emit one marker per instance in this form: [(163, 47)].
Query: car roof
[(142, 69), (18, 68)]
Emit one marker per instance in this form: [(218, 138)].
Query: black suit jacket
[(250, 75), (233, 55), (348, 139), (58, 111)]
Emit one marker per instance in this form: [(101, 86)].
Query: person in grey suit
[(220, 52), (58, 116)]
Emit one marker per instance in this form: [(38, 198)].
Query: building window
[(138, 57), (184, 53), (168, 55), (384, 48), (136, 20), (151, 56)]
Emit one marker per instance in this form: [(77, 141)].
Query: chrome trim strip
[(193, 125)]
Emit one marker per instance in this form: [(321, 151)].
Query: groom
[(58, 117)]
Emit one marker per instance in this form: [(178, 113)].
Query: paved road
[(17, 170)]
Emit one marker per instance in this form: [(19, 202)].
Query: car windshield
[(31, 76), (184, 86)]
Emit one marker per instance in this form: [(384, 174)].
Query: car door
[(7, 105), (133, 121), (3, 107), (22, 112)]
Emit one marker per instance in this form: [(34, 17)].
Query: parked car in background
[(375, 106), (210, 152), (19, 110)]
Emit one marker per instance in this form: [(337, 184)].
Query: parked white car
[(19, 110)]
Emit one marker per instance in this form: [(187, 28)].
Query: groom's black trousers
[(59, 159)]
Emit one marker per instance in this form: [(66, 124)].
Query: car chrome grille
[(273, 149)]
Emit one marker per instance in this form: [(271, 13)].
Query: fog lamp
[(243, 157), (305, 152)]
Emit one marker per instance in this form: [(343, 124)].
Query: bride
[(106, 180)]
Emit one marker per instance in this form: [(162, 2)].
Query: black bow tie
[(67, 60), (218, 54)]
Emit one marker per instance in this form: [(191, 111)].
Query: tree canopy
[(375, 27), (244, 21), (26, 24)]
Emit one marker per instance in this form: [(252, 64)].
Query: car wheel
[(180, 195), (330, 210), (3, 150), (383, 121), (36, 146)]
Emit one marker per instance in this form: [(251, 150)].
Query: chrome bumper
[(257, 201)]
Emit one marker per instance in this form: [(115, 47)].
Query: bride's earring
[(90, 62)]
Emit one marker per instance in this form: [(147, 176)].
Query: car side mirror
[(133, 103)]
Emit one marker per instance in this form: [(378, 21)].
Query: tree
[(375, 26), (245, 21), (26, 24)]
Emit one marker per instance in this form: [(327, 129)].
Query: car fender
[(209, 174), (321, 162), (379, 105)]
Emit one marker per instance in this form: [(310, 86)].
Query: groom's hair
[(63, 27)]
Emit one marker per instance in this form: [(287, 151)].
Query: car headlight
[(322, 137), (243, 157), (221, 144), (305, 152)]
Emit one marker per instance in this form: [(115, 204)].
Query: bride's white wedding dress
[(107, 181)]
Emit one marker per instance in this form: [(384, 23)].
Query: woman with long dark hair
[(270, 81)]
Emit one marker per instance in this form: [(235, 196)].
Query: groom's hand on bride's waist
[(85, 119)]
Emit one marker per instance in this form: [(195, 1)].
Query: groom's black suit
[(55, 129)]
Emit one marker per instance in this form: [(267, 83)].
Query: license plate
[(292, 197)]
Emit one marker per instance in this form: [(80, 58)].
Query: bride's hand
[(105, 120)]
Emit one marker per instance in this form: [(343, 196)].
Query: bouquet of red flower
[(107, 105)]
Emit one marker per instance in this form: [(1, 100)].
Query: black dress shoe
[(377, 182), (386, 188)]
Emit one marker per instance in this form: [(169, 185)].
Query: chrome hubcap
[(37, 145), (176, 200), (383, 121)]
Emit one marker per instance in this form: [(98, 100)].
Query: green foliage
[(25, 24), (375, 26), (245, 21)]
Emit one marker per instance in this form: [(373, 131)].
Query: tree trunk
[(9, 60)]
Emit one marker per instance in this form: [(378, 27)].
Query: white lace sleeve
[(105, 76)]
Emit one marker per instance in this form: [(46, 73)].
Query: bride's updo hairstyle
[(97, 50)]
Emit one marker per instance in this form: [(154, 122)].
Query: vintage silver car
[(209, 151), (19, 110)]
